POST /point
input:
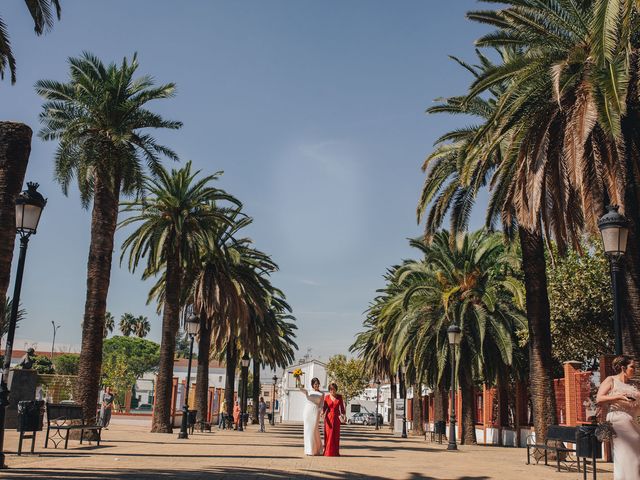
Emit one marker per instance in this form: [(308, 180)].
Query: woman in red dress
[(333, 411)]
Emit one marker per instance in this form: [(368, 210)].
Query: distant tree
[(348, 375), (127, 324), (141, 326), (141, 355), (118, 373), (109, 324), (67, 364)]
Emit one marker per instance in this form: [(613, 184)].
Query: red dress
[(332, 410)]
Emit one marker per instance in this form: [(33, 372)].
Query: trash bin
[(587, 445), (30, 415)]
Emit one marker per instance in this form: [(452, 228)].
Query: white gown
[(311, 417)]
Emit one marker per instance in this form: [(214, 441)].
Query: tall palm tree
[(141, 326), (229, 289), (15, 147), (109, 324), (100, 119), (127, 324), (172, 221), (579, 118), (466, 160), (43, 13)]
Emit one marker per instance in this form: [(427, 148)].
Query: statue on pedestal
[(26, 362)]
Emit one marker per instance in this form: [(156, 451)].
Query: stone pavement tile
[(130, 452)]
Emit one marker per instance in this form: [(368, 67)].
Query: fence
[(58, 388)]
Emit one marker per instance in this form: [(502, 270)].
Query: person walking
[(105, 408), (334, 413), (262, 411), (623, 400), (236, 415), (221, 415)]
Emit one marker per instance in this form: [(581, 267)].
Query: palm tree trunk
[(15, 147), (439, 404), (539, 321), (170, 325), (202, 377), (418, 417), (468, 414), (104, 218), (256, 389), (230, 380)]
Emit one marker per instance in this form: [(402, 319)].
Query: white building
[(291, 399)]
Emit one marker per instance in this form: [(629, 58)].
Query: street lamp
[(455, 336), (29, 206), (614, 229), (192, 327), (377, 401), (244, 364), (403, 394), (273, 402), (55, 329)]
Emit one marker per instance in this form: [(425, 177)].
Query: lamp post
[(273, 402), (29, 206), (53, 343), (455, 335), (191, 326), (403, 395), (377, 402), (614, 229), (244, 364)]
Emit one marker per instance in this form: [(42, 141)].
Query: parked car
[(370, 419), (357, 418)]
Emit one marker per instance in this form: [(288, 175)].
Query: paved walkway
[(129, 452)]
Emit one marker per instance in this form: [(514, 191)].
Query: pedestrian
[(221, 415), (236, 415), (262, 410), (106, 407), (622, 397), (334, 414)]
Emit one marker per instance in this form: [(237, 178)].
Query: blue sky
[(313, 109)]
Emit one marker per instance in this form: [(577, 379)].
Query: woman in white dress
[(623, 401), (311, 417)]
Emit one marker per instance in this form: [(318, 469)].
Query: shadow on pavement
[(222, 472)]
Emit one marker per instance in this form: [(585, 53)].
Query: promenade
[(130, 452)]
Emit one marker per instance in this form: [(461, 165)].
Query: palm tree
[(109, 324), (463, 281), (464, 161), (100, 120), (5, 318), (141, 326), (587, 106), (15, 147), (127, 324), (229, 291), (42, 13), (173, 220)]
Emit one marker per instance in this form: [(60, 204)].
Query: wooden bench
[(557, 437), (63, 417)]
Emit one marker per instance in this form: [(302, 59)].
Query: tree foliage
[(140, 355), (67, 364), (348, 375), (43, 365), (581, 305)]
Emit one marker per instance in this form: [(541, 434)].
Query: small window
[(220, 379), (355, 408), (265, 394)]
